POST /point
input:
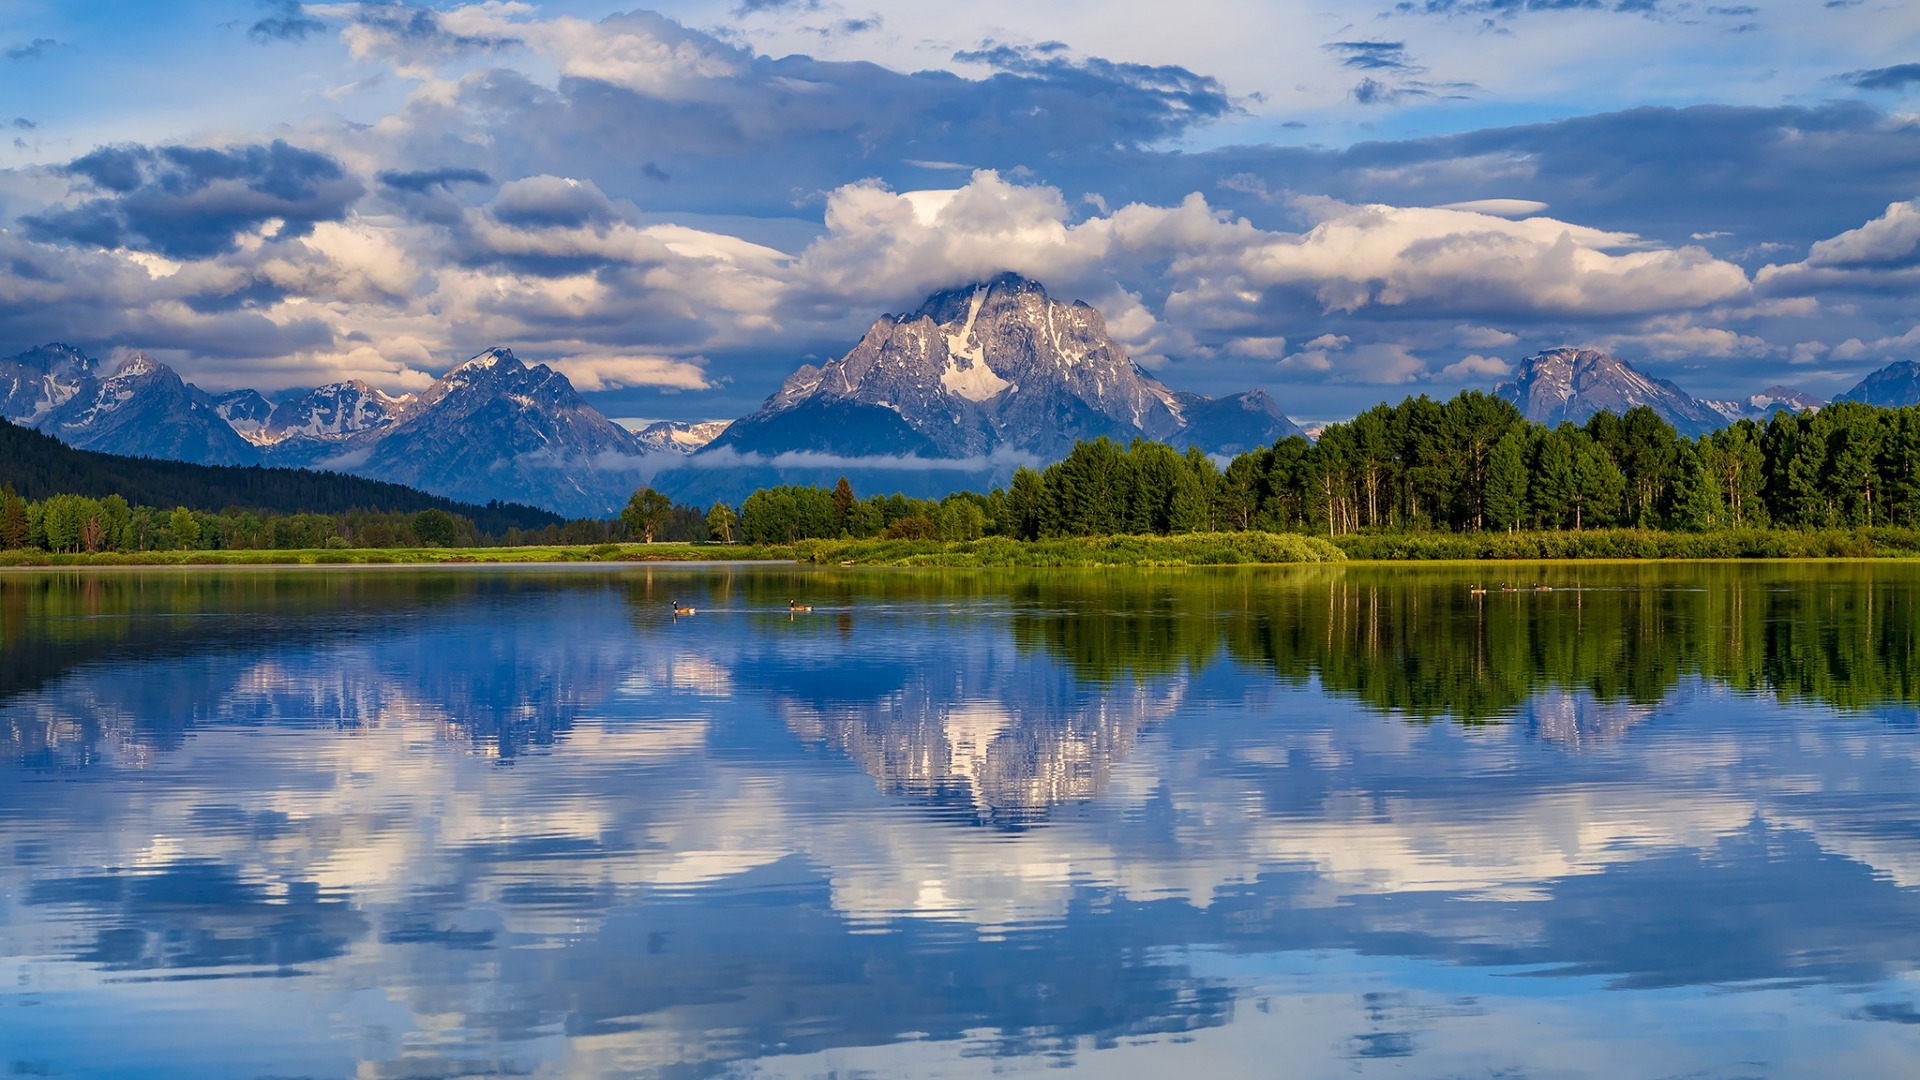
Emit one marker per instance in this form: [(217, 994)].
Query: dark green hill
[(39, 465)]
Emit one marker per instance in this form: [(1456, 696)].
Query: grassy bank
[(413, 556), (1198, 549), (1203, 549), (1638, 544)]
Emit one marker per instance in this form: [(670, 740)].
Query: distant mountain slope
[(140, 408), (1764, 404), (145, 410), (494, 427), (993, 367), (38, 465), (41, 380), (1895, 386), (679, 436), (1570, 385)]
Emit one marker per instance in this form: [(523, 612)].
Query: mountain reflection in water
[(475, 822)]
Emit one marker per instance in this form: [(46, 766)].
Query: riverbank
[(1197, 549)]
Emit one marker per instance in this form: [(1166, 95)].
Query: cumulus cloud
[(1476, 368), (1883, 253), (189, 201), (1224, 270), (605, 371), (415, 39)]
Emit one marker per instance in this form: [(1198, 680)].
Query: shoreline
[(1195, 550)]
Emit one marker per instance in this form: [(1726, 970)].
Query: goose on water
[(682, 609), (795, 605)]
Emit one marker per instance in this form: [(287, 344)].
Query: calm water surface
[(1658, 821)]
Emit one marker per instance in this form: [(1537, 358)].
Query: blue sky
[(677, 205)]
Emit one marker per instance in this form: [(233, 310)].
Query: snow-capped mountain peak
[(990, 365), (1571, 384)]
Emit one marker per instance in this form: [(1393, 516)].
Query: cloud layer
[(659, 209)]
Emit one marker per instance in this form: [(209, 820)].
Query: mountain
[(1570, 385), (41, 380), (38, 465), (1764, 404), (1894, 386), (679, 436), (140, 408), (494, 428), (245, 411), (145, 410), (992, 367), (311, 426)]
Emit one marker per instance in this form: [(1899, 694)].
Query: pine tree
[(1506, 487), (843, 501)]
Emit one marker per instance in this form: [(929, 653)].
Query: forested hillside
[(39, 466)]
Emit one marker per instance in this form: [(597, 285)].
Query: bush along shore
[(1200, 549), (1193, 549)]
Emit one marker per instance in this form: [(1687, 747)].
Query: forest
[(1469, 465), (37, 466)]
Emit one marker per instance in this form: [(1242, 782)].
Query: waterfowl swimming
[(1543, 588), (795, 605), (682, 609), (1477, 590)]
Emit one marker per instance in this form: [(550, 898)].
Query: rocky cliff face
[(994, 365), (1895, 386), (1570, 385)]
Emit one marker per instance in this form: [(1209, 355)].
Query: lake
[(1642, 820)]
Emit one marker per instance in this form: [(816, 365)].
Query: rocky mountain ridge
[(1764, 404), (679, 436), (1895, 386), (1569, 385), (989, 367)]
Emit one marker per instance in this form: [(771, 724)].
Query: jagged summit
[(138, 407), (1571, 384), (331, 413), (1763, 405), (992, 365), (495, 428)]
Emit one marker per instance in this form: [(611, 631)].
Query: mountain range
[(953, 394)]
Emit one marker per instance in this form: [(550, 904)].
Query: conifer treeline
[(1469, 464)]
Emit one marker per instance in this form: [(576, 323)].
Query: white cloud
[(1476, 368)]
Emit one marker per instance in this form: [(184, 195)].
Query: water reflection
[(474, 823)]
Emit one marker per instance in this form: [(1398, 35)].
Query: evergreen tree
[(843, 501), (1026, 505), (1505, 500)]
